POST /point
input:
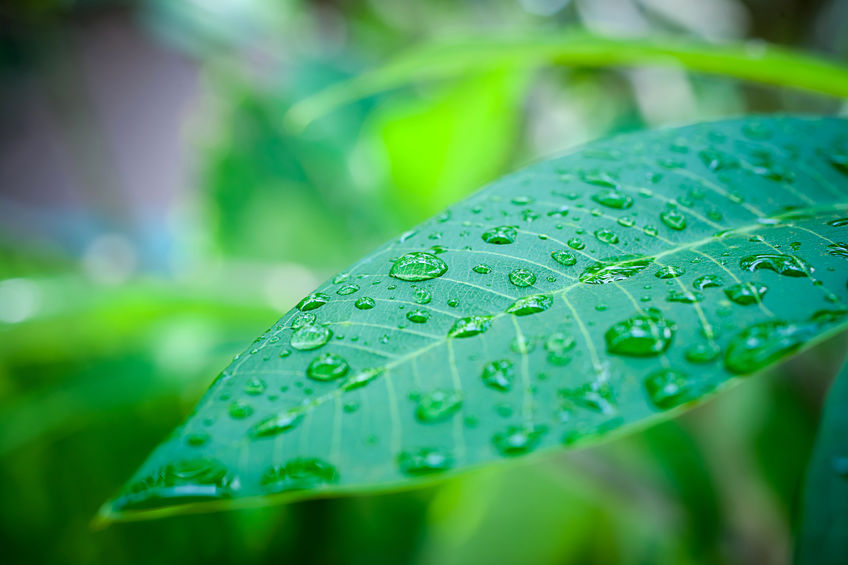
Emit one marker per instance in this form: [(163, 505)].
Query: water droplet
[(673, 219), (418, 316), (787, 265), (301, 473), (576, 243), (530, 305), (364, 303), (841, 222), (470, 326), (418, 266), (640, 336), (197, 439), (453, 302), (522, 345), (606, 236), (839, 249), (651, 230), (239, 409), (626, 222), (424, 461), (702, 352), (360, 379), (746, 293), (307, 338), (313, 301), (762, 344), (707, 281), (717, 160), (303, 320), (594, 396), (563, 257), (522, 278), (421, 296), (327, 367), (279, 423), (599, 178), (614, 269), (498, 375), (669, 388), (522, 200), (482, 269), (517, 440), (613, 199), (558, 345), (347, 289), (670, 272), (438, 406), (684, 296), (500, 235), (254, 386)]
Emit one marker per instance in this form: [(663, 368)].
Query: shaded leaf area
[(565, 302), (823, 536)]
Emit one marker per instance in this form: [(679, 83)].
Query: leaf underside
[(576, 298)]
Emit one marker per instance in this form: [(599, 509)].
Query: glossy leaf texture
[(823, 536), (579, 297)]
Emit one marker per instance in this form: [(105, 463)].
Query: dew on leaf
[(422, 296), (438, 406), (563, 257), (707, 281), (498, 375), (606, 236), (482, 269), (669, 388), (470, 326), (313, 301), (327, 367), (307, 338), (278, 423), (360, 379), (839, 249), (530, 305), (522, 278), (576, 243), (787, 265), (418, 266), (596, 397), (304, 319), (558, 345), (347, 289), (684, 296), (613, 199), (670, 272), (762, 344), (702, 352), (424, 461), (673, 219), (614, 269), (364, 303), (522, 345), (254, 386), (418, 316), (239, 409), (517, 440), (746, 293), (500, 235), (642, 335)]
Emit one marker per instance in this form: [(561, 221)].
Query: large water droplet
[(762, 344), (360, 379), (839, 249), (500, 235), (668, 388), (313, 301), (613, 199), (673, 219), (576, 243), (838, 223), (307, 338), (438, 406), (300, 473), (787, 265), (640, 336), (347, 289), (563, 257), (746, 293), (522, 278), (282, 422), (498, 375), (364, 303), (530, 305), (707, 281), (517, 440), (424, 461), (614, 269), (670, 272), (684, 296), (327, 367), (470, 326), (418, 266), (606, 236), (597, 397), (418, 316)]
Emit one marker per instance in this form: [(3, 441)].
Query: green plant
[(564, 304)]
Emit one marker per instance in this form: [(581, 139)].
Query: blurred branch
[(756, 62)]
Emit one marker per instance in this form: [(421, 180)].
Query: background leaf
[(578, 297), (824, 528), (761, 62)]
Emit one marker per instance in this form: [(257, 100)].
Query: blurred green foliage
[(99, 360)]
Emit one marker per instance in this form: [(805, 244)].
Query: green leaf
[(761, 62), (585, 295), (823, 536)]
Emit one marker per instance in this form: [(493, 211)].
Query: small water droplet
[(702, 352), (522, 278), (558, 345), (307, 338), (673, 219), (313, 301), (347, 289), (684, 296), (424, 461), (614, 269), (517, 440), (707, 281), (254, 386), (418, 316), (670, 272), (641, 335), (364, 303), (563, 257), (278, 423), (438, 406), (576, 243), (482, 269), (470, 326), (360, 379), (606, 236), (669, 388), (530, 305), (613, 199), (500, 235), (746, 293), (498, 375), (239, 409)]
